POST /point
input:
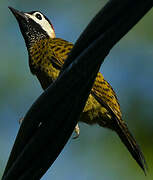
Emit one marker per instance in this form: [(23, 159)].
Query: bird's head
[(33, 25)]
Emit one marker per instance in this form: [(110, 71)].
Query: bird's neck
[(40, 55), (47, 56)]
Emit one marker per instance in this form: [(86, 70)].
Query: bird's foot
[(21, 120), (77, 131)]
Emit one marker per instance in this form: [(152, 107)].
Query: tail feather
[(131, 144)]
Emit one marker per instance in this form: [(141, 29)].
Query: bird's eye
[(38, 16)]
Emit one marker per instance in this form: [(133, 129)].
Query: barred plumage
[(46, 57)]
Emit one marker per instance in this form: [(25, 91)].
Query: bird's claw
[(21, 120), (77, 131)]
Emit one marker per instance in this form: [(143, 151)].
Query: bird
[(47, 54)]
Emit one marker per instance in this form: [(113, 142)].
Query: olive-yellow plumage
[(46, 58)]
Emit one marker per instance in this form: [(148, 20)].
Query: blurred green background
[(97, 153)]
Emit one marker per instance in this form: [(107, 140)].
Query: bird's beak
[(20, 16)]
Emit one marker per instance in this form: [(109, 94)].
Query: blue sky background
[(97, 153)]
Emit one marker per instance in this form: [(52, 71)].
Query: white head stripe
[(43, 23)]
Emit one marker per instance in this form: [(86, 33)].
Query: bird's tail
[(131, 144)]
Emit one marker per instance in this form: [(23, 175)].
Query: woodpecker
[(46, 58)]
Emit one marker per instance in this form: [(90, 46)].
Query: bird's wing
[(101, 90), (105, 95), (60, 49)]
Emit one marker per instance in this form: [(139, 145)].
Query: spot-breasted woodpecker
[(46, 58)]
